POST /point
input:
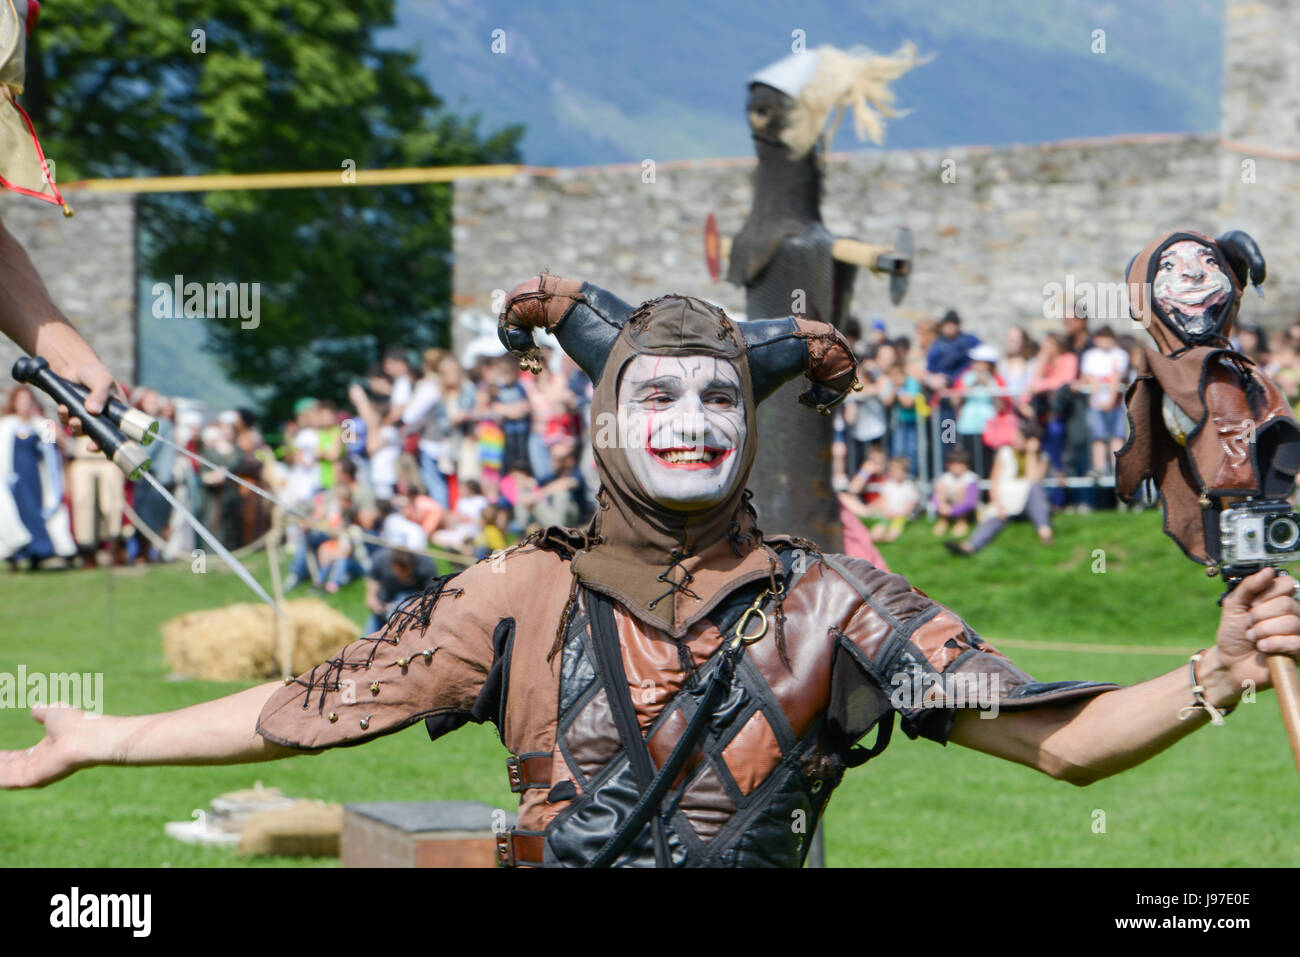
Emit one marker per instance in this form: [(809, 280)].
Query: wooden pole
[(1287, 685), (283, 640)]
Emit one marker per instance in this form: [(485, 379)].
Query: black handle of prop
[(125, 454), (132, 423)]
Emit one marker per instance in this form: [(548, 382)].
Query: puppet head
[(1186, 287)]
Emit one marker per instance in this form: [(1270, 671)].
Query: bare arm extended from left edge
[(30, 318), (221, 731), (1082, 743)]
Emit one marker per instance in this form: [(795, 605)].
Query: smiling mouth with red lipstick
[(691, 457)]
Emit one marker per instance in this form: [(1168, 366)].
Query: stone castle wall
[(1015, 220), (88, 263)]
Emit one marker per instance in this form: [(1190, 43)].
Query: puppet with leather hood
[(1204, 421)]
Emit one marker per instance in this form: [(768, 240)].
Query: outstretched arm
[(222, 731), (1082, 743)]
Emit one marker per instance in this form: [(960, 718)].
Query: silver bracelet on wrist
[(1198, 694)]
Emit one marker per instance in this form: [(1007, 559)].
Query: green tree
[(166, 87)]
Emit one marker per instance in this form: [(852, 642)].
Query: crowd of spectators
[(1032, 424), (462, 459), (466, 458)]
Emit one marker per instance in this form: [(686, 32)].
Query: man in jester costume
[(673, 683)]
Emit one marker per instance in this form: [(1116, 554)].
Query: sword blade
[(231, 561)]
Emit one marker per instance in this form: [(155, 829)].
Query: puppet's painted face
[(682, 424), (1189, 285)]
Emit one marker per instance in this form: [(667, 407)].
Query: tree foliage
[(167, 87)]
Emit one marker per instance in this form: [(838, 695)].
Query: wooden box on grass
[(421, 834)]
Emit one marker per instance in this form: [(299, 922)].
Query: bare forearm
[(223, 731), (1119, 730), (27, 314)]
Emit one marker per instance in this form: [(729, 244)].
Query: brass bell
[(403, 662), (333, 716)]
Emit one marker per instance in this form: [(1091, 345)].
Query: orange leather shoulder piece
[(393, 678)]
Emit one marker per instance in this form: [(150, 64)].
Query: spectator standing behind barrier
[(33, 521), (96, 488), (552, 404), (223, 505), (865, 419), (904, 420), (975, 394), (1055, 367), (1015, 492), (1017, 370), (1072, 408), (420, 418), (508, 406), (950, 354), (455, 411), (154, 510), (1103, 370)]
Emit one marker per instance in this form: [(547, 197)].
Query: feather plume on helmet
[(826, 83)]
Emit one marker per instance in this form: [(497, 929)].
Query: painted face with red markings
[(1189, 283), (682, 424)]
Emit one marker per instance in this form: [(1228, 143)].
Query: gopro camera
[(1259, 533)]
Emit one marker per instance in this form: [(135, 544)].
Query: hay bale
[(237, 643), (305, 829)]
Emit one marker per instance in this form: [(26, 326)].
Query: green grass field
[(1225, 796)]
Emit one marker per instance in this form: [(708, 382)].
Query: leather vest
[(760, 777), (846, 648)]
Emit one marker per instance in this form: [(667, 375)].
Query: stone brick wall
[(88, 263), (987, 244)]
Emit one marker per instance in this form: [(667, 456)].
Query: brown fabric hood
[(667, 566)]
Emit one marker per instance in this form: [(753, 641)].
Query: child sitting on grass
[(956, 493), (899, 497)]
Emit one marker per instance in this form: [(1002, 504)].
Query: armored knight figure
[(676, 687), (1204, 421), (788, 261)]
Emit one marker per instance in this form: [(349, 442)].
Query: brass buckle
[(750, 612), (505, 850), (516, 774)]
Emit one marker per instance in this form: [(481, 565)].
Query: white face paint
[(682, 424), (1189, 282)]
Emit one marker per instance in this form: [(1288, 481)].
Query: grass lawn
[(1226, 796)]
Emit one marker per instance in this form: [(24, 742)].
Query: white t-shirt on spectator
[(1110, 368), (304, 477), (898, 498), (426, 394), (383, 463), (422, 399), (400, 530), (401, 391), (471, 507)]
